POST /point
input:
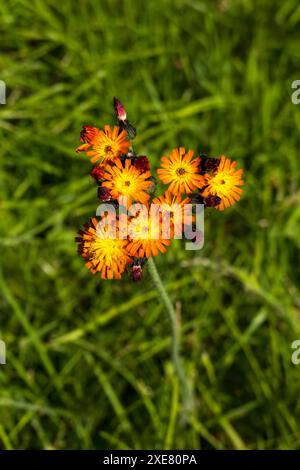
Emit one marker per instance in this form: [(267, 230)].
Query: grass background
[(88, 363)]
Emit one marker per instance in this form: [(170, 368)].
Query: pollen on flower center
[(127, 183), (180, 171)]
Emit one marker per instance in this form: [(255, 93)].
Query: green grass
[(88, 362)]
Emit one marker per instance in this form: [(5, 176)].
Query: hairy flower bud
[(142, 163), (212, 201), (119, 110), (123, 121), (104, 194), (208, 164), (136, 273), (97, 173)]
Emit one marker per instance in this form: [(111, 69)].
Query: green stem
[(177, 362)]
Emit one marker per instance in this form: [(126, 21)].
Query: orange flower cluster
[(114, 245)]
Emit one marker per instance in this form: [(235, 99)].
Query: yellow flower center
[(108, 149), (127, 183), (106, 248), (220, 184)]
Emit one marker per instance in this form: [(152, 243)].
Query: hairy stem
[(175, 327)]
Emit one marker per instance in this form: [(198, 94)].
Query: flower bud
[(104, 194), (212, 201), (208, 164), (136, 273), (97, 173), (129, 128), (119, 110), (142, 163)]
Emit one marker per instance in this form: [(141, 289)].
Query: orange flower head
[(145, 238), (104, 251), (126, 181), (173, 208), (105, 145), (225, 183), (181, 171)]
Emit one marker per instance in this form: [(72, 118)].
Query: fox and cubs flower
[(114, 245)]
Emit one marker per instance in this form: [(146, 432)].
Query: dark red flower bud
[(142, 163), (88, 133), (136, 273), (123, 121), (104, 194), (208, 164), (97, 173), (212, 201), (119, 110)]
